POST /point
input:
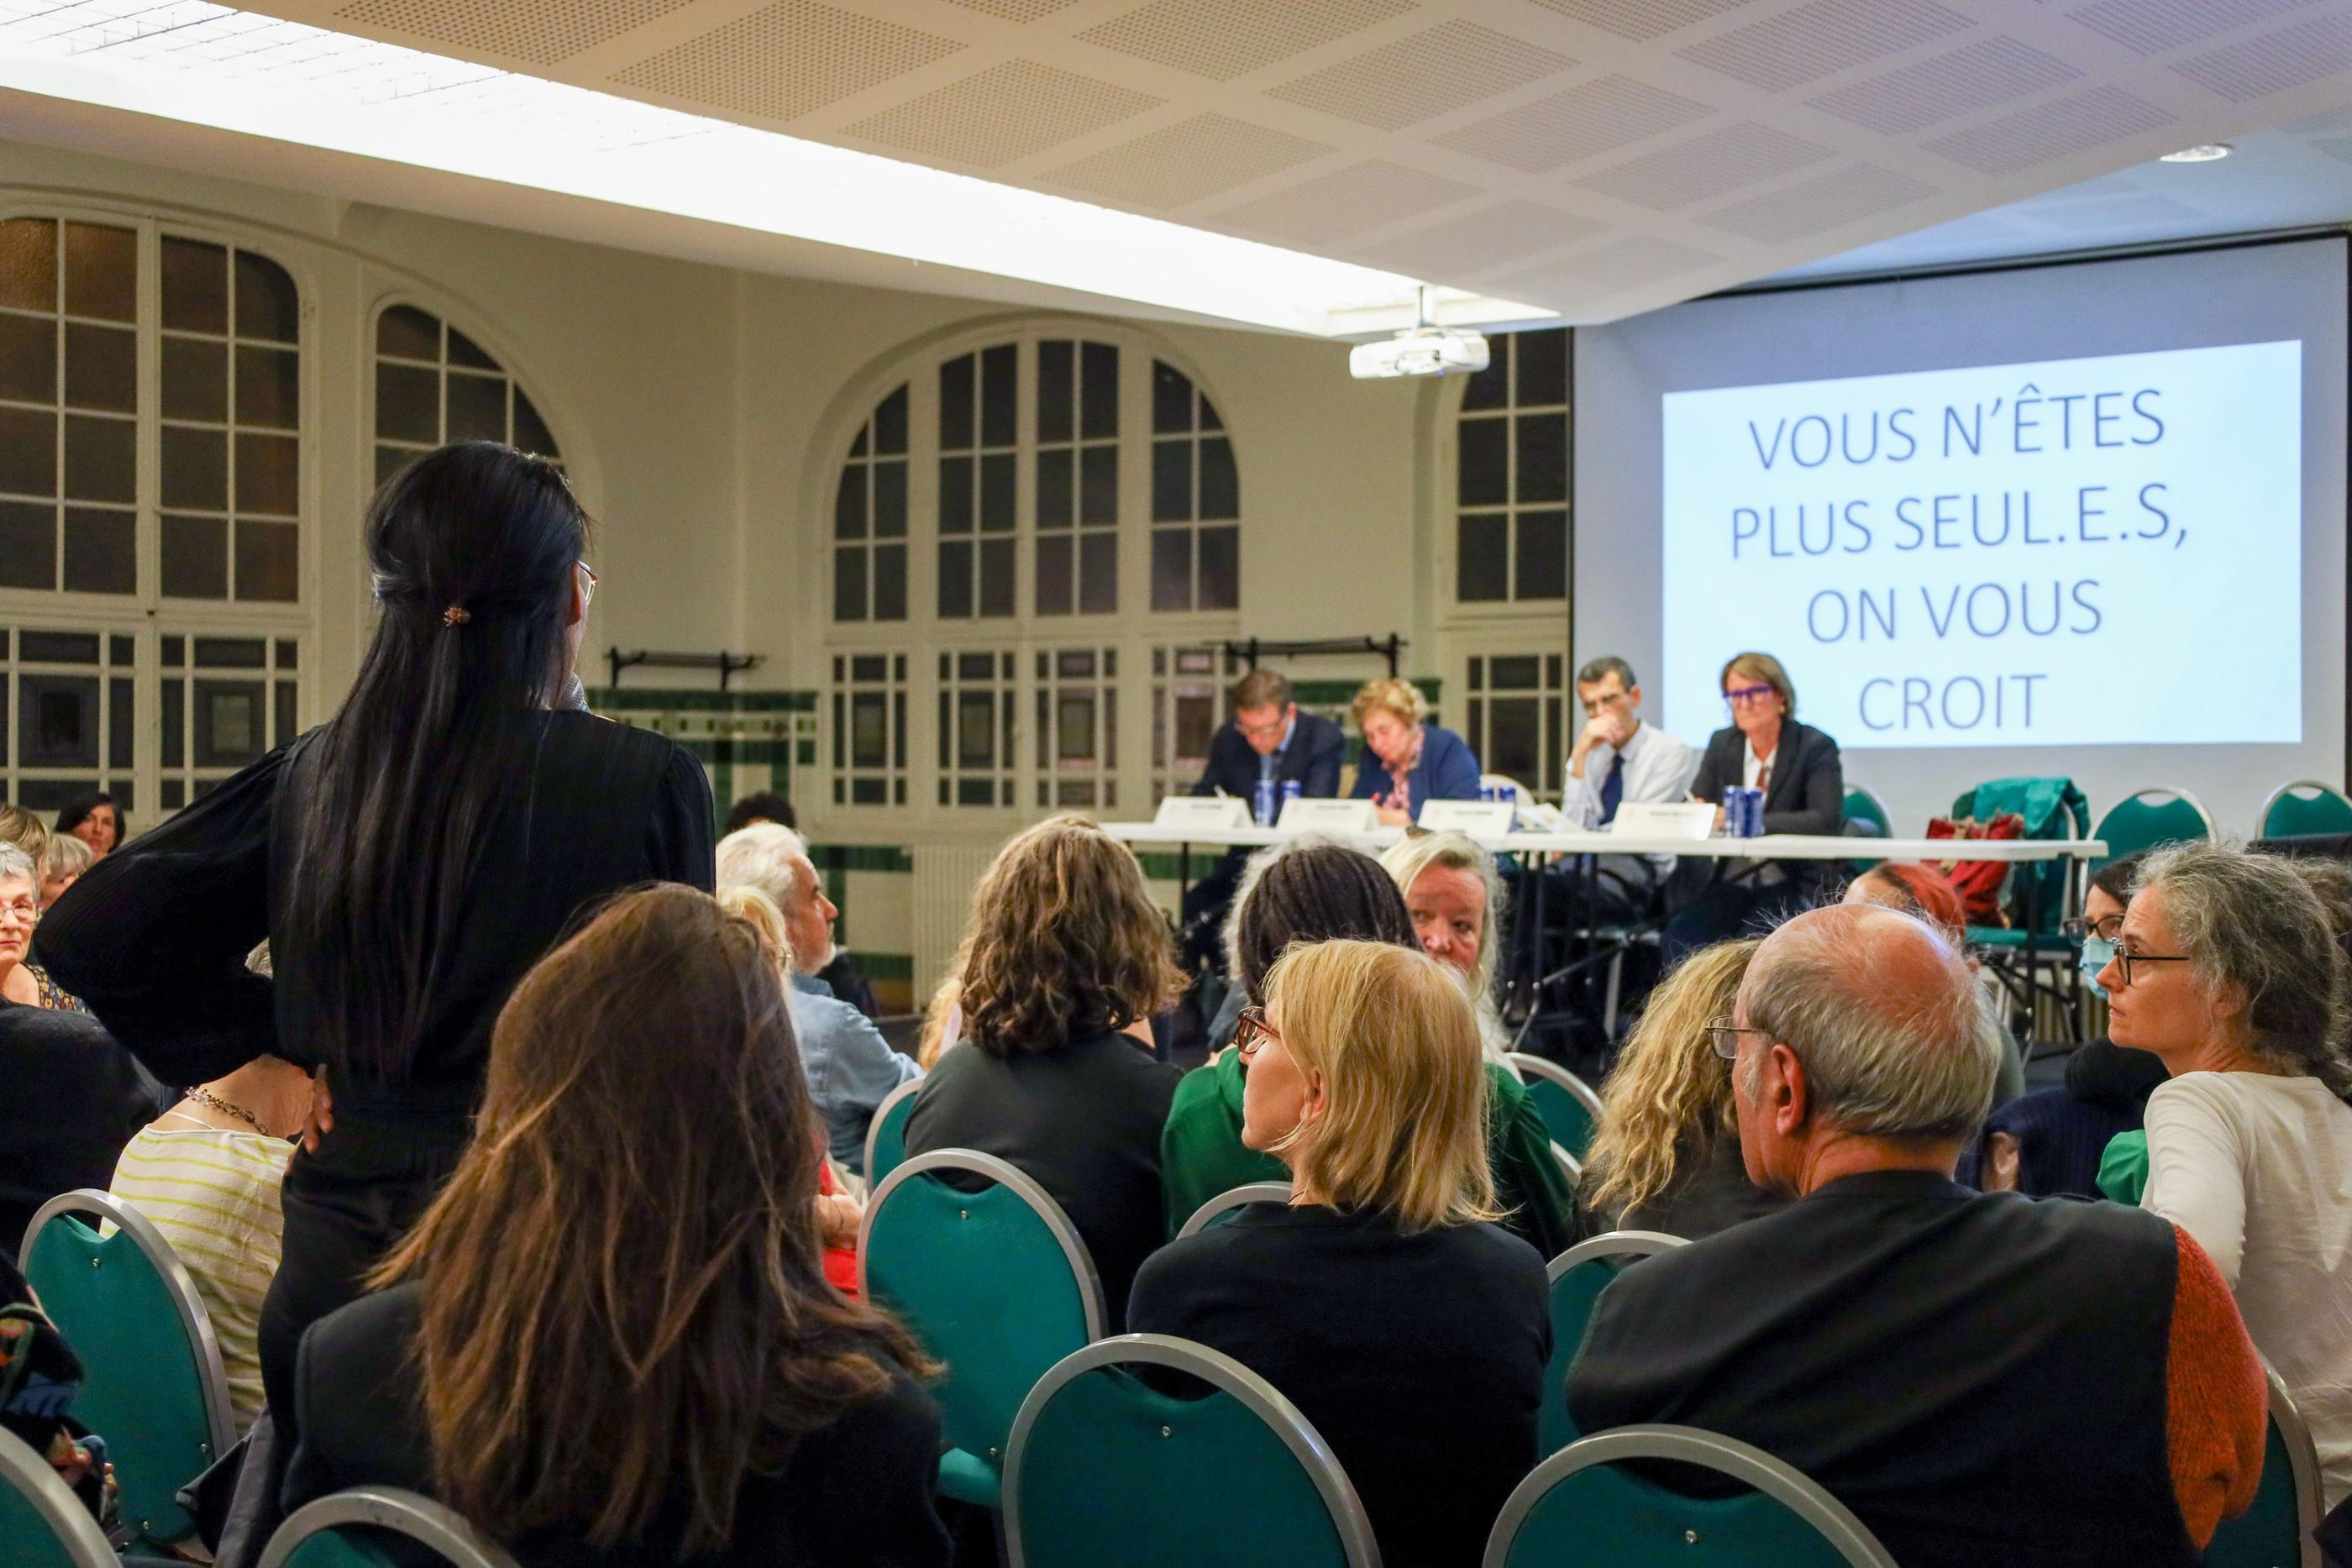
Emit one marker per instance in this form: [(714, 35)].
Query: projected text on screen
[(2075, 552)]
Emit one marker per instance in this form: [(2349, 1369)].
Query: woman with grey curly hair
[(2229, 969)]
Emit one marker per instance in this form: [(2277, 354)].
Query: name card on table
[(1479, 819), (1304, 815), (1204, 813), (1665, 819)]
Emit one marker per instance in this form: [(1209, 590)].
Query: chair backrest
[(885, 1136), (155, 1389), (1578, 1277), (1582, 1508), (42, 1523), (1105, 1469), (2276, 1532), (344, 1528), (995, 1283), (2302, 809), (1570, 1109), (1862, 805), (2147, 818), (1232, 1201), (1569, 1163)]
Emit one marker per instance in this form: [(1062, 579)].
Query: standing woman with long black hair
[(408, 862)]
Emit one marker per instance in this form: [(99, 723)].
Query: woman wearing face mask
[(2049, 1142)]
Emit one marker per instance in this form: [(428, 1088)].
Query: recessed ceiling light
[(2203, 153)]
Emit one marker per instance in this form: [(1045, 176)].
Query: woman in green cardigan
[(1315, 892)]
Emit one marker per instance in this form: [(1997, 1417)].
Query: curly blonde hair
[(1064, 940), (1669, 1094), (1396, 696)]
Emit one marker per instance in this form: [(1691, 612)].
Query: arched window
[(1511, 472), (1077, 477), (869, 519), (980, 437), (1196, 500), (434, 384)]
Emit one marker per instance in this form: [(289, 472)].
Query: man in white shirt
[(1618, 759)]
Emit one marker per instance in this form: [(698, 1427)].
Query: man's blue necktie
[(1613, 788)]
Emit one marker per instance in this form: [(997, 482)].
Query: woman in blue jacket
[(1407, 760)]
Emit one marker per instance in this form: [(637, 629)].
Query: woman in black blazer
[(1805, 792)]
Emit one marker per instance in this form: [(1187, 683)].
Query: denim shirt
[(851, 1068)]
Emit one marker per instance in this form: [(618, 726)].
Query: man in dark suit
[(1803, 781), (1267, 739), (1981, 1379)]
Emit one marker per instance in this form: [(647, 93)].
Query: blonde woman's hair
[(942, 1017), (24, 829), (1414, 854), (757, 910), (1669, 1095), (66, 855), (1395, 696), (1404, 1130), (1764, 668)]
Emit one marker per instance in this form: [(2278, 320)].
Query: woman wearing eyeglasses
[(408, 862), (1410, 1330), (1797, 767), (2227, 969)]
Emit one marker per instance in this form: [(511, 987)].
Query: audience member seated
[(1618, 760), (94, 819), (1980, 1379), (1065, 961), (1407, 760), (1309, 891), (75, 1096), (2049, 1142), (1459, 908), (61, 865), (766, 806), (1797, 767), (39, 1375), (1666, 1154), (1924, 891), (21, 979), (1267, 740), (851, 1068), (1410, 1330), (2228, 969), (208, 1173), (21, 828), (609, 1341)]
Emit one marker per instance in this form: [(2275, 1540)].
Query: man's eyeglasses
[(1252, 1032), (2126, 958), (1272, 726), (588, 580), (1593, 705), (1724, 1035), (2105, 930), (1740, 697)]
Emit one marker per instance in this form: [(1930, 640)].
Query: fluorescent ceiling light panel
[(239, 72)]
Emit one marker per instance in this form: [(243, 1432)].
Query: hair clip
[(455, 615)]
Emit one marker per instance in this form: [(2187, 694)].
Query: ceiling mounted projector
[(1422, 351)]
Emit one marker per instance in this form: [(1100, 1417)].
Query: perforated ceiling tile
[(2290, 57), (1821, 38), (1015, 10), (786, 60), (1715, 164), (2074, 124), (1479, 242), (2153, 26), (1345, 201), (1222, 39), (1567, 127), (539, 31), (1945, 87), (1185, 163), (1423, 75), (1006, 112), (1572, 280), (1641, 20), (1814, 206)]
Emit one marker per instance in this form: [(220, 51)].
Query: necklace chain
[(205, 1097)]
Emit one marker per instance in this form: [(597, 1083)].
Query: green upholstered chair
[(2276, 1532), (1104, 1469), (2147, 818), (1862, 805), (347, 1529), (1578, 1277), (155, 1390), (1232, 1201), (995, 1283), (1583, 1508), (2303, 809), (1570, 1109), (42, 1523), (885, 1136)]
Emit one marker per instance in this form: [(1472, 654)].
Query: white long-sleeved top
[(2258, 1168), (1658, 767)]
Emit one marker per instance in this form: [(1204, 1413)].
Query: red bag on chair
[(1979, 881)]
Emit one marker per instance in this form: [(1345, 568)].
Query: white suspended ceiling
[(1592, 157)]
